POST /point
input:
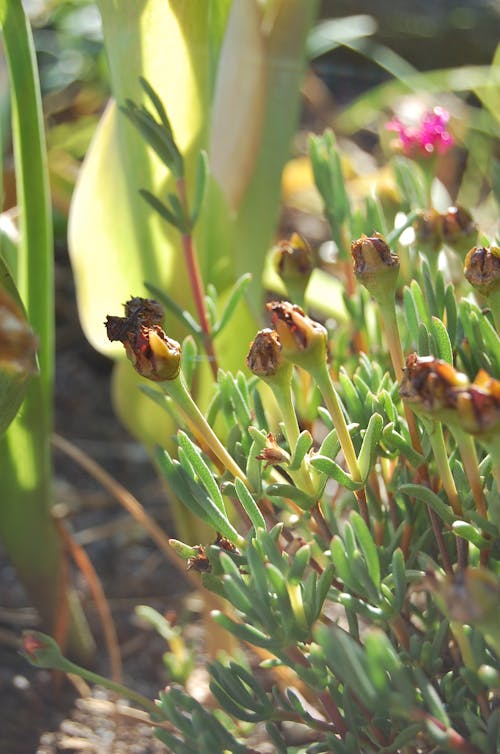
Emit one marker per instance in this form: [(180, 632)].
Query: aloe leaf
[(125, 243), (17, 359), (26, 525)]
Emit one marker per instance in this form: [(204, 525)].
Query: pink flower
[(427, 139)]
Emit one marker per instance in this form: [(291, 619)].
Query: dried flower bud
[(147, 310), (482, 269), (428, 227), (294, 260), (152, 353), (459, 229), (200, 561), (431, 383), (264, 357), (436, 388), (303, 340), (479, 406), (375, 265), (272, 454)]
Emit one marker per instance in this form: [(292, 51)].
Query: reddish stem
[(196, 282)]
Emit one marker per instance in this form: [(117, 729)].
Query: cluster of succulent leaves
[(358, 646), (375, 628)]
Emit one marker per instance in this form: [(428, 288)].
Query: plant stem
[(196, 281), (436, 438), (493, 447), (69, 667), (325, 385), (324, 382), (468, 455), (390, 325), (494, 302), (178, 391), (283, 393)]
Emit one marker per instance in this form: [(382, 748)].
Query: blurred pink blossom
[(427, 139)]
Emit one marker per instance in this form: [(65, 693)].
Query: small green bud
[(41, 650), (482, 269), (294, 263), (153, 355), (303, 341), (459, 229), (375, 265)]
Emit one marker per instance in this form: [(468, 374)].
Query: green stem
[(70, 667), (436, 438), (391, 330), (325, 385), (327, 390), (494, 302), (469, 458), (283, 394), (178, 391), (493, 447)]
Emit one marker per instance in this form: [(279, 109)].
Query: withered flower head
[(272, 454), (431, 383), (152, 353), (428, 227), (264, 357), (18, 344), (436, 388), (294, 259), (375, 265), (303, 340), (479, 406), (200, 561), (482, 269), (459, 229), (147, 310)]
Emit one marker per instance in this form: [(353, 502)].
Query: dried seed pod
[(459, 229), (303, 340), (482, 269), (375, 265)]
